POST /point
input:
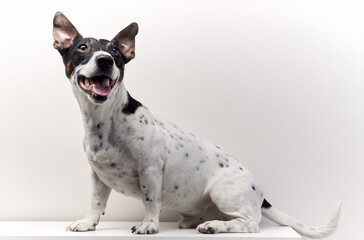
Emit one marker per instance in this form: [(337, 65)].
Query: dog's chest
[(119, 175), (111, 161)]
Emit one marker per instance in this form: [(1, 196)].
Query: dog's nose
[(104, 63)]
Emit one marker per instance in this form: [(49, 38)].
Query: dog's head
[(94, 67)]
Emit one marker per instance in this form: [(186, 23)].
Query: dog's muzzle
[(100, 83)]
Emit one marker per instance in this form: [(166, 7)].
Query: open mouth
[(98, 86)]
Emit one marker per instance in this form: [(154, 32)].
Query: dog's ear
[(64, 33), (126, 41)]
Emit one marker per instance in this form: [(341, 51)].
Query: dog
[(139, 154)]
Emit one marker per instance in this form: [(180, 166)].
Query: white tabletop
[(121, 230)]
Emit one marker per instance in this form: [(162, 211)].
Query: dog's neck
[(95, 115)]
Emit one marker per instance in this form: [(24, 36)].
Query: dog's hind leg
[(240, 203), (211, 212)]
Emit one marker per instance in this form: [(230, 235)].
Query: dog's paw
[(211, 227), (82, 225), (146, 227), (208, 228)]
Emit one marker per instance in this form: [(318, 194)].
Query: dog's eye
[(116, 50), (83, 48)]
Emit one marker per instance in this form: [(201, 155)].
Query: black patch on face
[(73, 57), (266, 204), (131, 106)]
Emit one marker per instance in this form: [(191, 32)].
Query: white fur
[(146, 157)]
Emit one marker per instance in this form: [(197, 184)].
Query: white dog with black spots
[(135, 152)]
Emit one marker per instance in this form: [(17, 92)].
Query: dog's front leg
[(151, 185), (100, 195)]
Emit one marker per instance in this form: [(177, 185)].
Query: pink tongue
[(100, 87)]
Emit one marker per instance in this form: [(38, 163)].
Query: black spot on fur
[(140, 138), (96, 148), (176, 187), (210, 230), (143, 186), (186, 154), (131, 106), (99, 125), (113, 164), (266, 204), (241, 168), (221, 164), (100, 137), (253, 188)]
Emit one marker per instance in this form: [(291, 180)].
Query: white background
[(277, 84)]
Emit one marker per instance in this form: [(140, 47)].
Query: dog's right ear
[(64, 33)]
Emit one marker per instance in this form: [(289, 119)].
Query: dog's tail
[(281, 218)]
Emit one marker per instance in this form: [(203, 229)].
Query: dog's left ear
[(125, 39), (64, 33)]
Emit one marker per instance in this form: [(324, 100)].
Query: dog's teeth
[(108, 82), (87, 83)]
